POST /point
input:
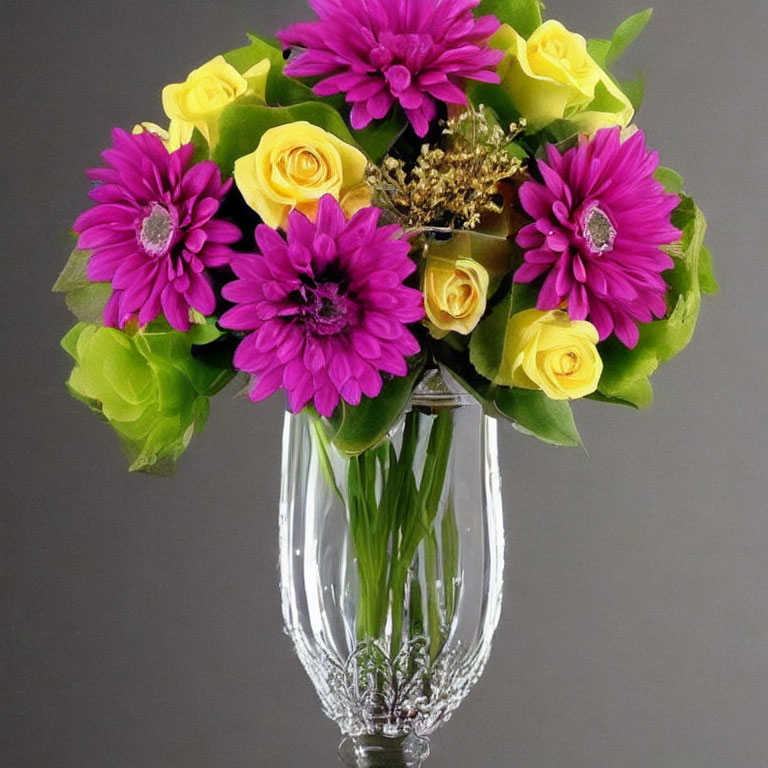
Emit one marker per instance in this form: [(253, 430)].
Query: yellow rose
[(176, 136), (548, 351), (551, 76), (199, 101), (455, 294), (294, 166)]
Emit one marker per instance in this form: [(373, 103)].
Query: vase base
[(382, 752)]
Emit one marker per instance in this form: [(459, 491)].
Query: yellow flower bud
[(294, 166), (548, 351), (455, 294), (199, 101), (551, 76)]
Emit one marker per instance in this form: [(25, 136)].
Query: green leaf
[(206, 379), (534, 413), (241, 127), (324, 117), (626, 369), (84, 299), (242, 59), (202, 150), (74, 274), (673, 182), (285, 91), (637, 395), (634, 90), (626, 33), (604, 101), (486, 347), (522, 15), (363, 426), (562, 133), (87, 303), (707, 279), (379, 137), (282, 91), (598, 50), (205, 333), (606, 52), (495, 98)]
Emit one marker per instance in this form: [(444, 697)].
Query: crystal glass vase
[(391, 569)]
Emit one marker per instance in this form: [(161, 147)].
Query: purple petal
[(266, 384), (200, 295), (175, 308)]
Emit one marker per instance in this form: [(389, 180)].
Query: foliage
[(153, 384), (84, 299), (147, 385), (358, 428), (627, 371), (522, 15)]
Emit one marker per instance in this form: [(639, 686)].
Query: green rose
[(147, 385)]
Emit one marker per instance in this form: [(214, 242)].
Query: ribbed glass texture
[(391, 566)]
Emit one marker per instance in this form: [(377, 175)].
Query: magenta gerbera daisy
[(153, 235), (379, 52), (327, 309), (601, 222)]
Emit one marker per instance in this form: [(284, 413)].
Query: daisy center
[(157, 230), (327, 309), (599, 233)]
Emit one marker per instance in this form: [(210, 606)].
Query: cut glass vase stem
[(375, 751), (391, 569)]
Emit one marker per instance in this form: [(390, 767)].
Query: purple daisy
[(378, 52), (601, 220), (327, 309), (153, 235)]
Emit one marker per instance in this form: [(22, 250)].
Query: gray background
[(140, 618)]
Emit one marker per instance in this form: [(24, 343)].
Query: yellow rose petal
[(256, 77), (548, 351), (551, 76), (202, 97), (246, 177), (455, 294), (294, 166)]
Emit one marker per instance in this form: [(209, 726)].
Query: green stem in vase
[(370, 531), (390, 516), (450, 546), (432, 486), (433, 607), (404, 483)]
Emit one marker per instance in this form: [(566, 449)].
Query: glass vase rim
[(436, 387)]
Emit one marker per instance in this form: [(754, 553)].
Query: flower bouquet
[(413, 218)]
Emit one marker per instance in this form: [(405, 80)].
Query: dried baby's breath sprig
[(450, 187)]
